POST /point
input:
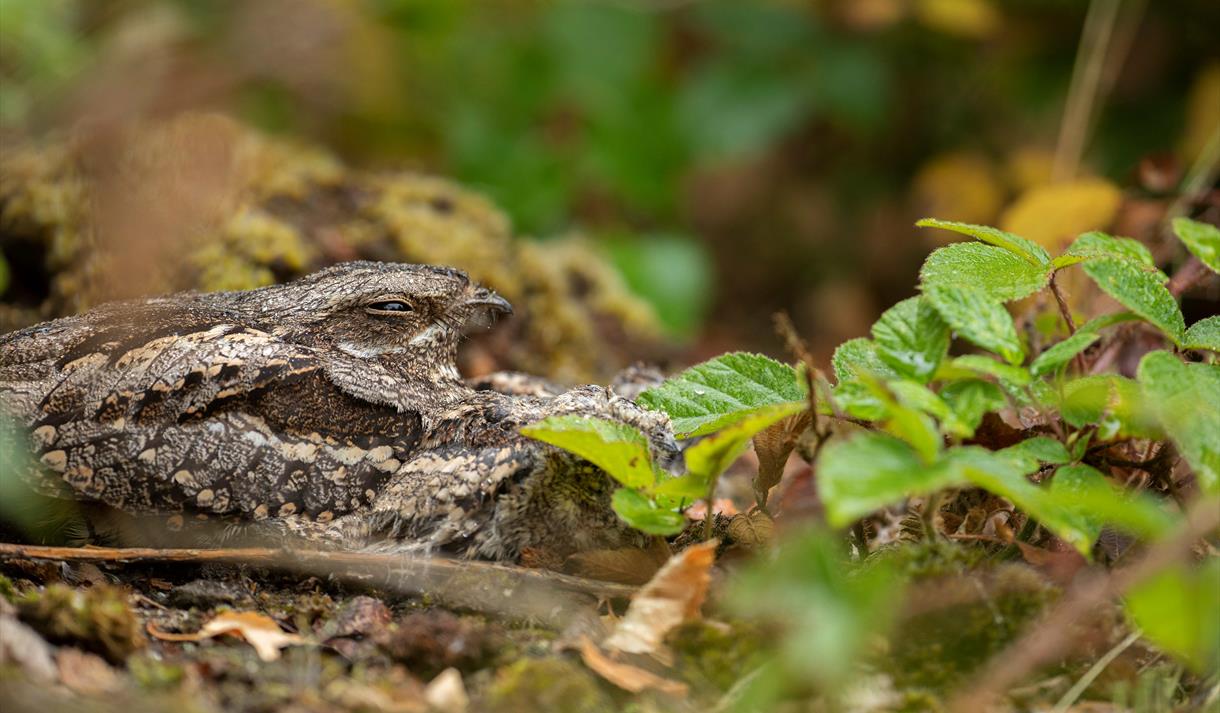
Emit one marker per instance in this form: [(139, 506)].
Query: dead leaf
[(259, 630), (674, 595), (624, 675), (628, 565), (721, 506), (752, 529), (447, 693), (86, 673), (1059, 567), (361, 616), (773, 445)]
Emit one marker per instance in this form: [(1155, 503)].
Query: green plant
[(924, 408)]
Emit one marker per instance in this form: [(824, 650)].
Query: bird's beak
[(481, 297)]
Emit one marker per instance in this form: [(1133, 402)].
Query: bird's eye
[(389, 306)]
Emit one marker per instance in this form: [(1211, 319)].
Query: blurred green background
[(733, 158)]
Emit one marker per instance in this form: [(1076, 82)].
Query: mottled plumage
[(329, 407)]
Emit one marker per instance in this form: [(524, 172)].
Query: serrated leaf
[(711, 456), (1062, 352), (969, 400), (1086, 491), (1186, 401), (1176, 610), (1031, 453), (718, 392), (857, 401), (1204, 334), (912, 338), (616, 448), (1026, 249), (995, 272), (1006, 373), (859, 355), (1107, 320), (1140, 289), (978, 319), (869, 471), (1202, 239), (1004, 476), (1114, 404), (645, 515), (1096, 244)]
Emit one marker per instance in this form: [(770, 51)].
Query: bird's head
[(371, 310)]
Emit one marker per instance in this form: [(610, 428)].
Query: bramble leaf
[(1114, 404), (1186, 400), (1204, 334), (1202, 239), (1032, 452), (1062, 352), (1086, 491), (978, 364), (979, 319), (1027, 249), (1096, 245), (711, 456), (1177, 611), (859, 355), (616, 448), (645, 515), (969, 400), (864, 473), (1140, 289), (997, 273), (720, 391), (912, 338)]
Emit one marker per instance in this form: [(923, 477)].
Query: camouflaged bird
[(329, 408)]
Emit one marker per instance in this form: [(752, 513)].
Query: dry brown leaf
[(259, 630), (447, 693), (628, 565), (773, 445), (674, 595), (752, 529), (1060, 567), (624, 675), (86, 673)]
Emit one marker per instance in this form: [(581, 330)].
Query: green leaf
[(1113, 403), (711, 456), (1204, 334), (1031, 453), (979, 364), (1086, 491), (995, 272), (858, 401), (1202, 239), (864, 473), (1177, 611), (616, 448), (969, 400), (1186, 400), (1005, 476), (645, 515), (979, 319), (856, 356), (1107, 320), (1027, 249), (1063, 352), (912, 338), (718, 392), (1140, 289), (1095, 245)]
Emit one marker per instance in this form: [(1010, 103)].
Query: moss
[(7, 591), (152, 674), (200, 202), (546, 684), (936, 558), (713, 654), (97, 619), (973, 617)]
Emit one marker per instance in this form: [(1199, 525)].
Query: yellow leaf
[(624, 675), (259, 630), (1054, 215), (975, 19), (1202, 112), (674, 595)]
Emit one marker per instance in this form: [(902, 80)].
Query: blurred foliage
[(813, 132)]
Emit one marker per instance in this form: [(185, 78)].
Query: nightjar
[(329, 408)]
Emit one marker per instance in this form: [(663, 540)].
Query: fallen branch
[(482, 586), (1054, 636)]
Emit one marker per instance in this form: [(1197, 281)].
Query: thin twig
[(1085, 88), (1063, 305), (1056, 634)]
